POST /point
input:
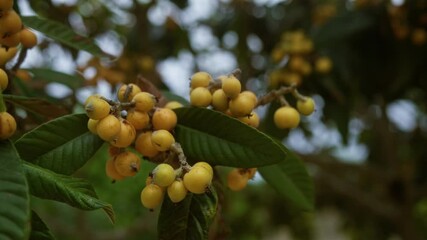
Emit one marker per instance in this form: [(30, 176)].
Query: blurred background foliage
[(363, 61)]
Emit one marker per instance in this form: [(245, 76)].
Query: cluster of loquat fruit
[(7, 121)]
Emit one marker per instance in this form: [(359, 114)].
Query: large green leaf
[(75, 192), (216, 138), (39, 230), (14, 196), (188, 219), (62, 145), (61, 33), (37, 105), (48, 75), (291, 180)]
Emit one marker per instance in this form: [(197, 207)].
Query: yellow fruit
[(126, 135), (296, 63), (306, 107), (7, 125), (252, 119), (173, 105), (12, 40), (237, 180), (205, 165), (286, 117), (108, 128), (197, 180), (164, 175), (162, 140), (144, 145), (177, 191), (200, 97), (164, 118), (5, 5), (10, 23), (4, 80), (151, 196), (241, 106), (111, 171), (7, 54), (323, 65), (91, 125), (419, 36), (251, 95), (28, 38), (132, 90), (144, 101), (138, 119), (200, 79), (127, 163), (231, 86), (97, 108), (23, 75), (220, 100)]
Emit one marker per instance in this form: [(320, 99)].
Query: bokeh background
[(363, 61)]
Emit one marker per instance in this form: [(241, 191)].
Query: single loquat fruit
[(162, 140), (7, 125), (286, 117), (144, 145), (108, 128), (200, 97), (164, 118), (127, 164)]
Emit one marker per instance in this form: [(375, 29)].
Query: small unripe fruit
[(252, 119), (127, 163), (126, 135), (200, 79), (241, 106), (138, 119), (237, 180), (7, 125), (133, 90), (173, 105), (4, 80), (323, 65), (205, 165), (144, 145), (286, 117), (108, 128), (151, 196), (162, 140), (197, 180), (200, 97), (177, 191), (306, 107), (111, 172), (97, 108), (28, 38), (91, 125), (10, 23), (164, 175), (164, 118), (231, 86), (144, 101), (220, 100)]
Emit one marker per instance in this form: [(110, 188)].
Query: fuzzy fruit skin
[(6, 55), (4, 80), (111, 172), (251, 95), (173, 105), (12, 40), (138, 119), (10, 23), (7, 125), (144, 145), (200, 79), (237, 180), (126, 135), (151, 196), (197, 180), (164, 175), (252, 120), (220, 100), (144, 101), (205, 165), (127, 164), (5, 5), (177, 191), (108, 128), (164, 118), (122, 90), (162, 140), (91, 125), (231, 86), (241, 106), (200, 97), (306, 107), (97, 108), (286, 117), (28, 38)]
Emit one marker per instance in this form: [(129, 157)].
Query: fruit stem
[(176, 148), (298, 95), (21, 58), (283, 101), (275, 94)]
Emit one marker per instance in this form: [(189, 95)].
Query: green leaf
[(211, 136), (75, 192), (48, 75), (61, 33), (14, 196), (62, 145), (39, 230), (291, 180), (188, 219), (37, 105)]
